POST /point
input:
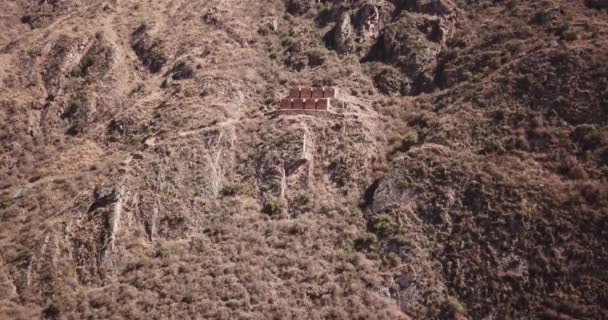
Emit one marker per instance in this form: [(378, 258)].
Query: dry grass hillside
[(145, 175)]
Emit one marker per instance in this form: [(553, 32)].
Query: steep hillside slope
[(145, 175)]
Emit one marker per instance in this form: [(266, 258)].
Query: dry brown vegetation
[(462, 175)]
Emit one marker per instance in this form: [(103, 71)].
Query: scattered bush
[(386, 226), (404, 184), (77, 113), (275, 207), (181, 71), (231, 189), (392, 259), (365, 242), (588, 137), (455, 307), (303, 199), (317, 56)]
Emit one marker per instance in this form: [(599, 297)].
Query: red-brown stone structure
[(307, 100)]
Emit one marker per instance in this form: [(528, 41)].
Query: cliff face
[(462, 174)]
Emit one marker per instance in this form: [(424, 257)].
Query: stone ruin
[(308, 100)]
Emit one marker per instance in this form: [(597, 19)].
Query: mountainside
[(462, 173)]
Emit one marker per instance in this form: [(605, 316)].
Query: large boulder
[(285, 169), (412, 44)]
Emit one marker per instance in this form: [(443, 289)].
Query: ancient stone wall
[(307, 100)]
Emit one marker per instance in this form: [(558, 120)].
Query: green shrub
[(456, 308), (386, 226), (275, 207), (588, 137), (569, 35), (317, 56), (199, 244), (365, 242), (352, 60), (392, 259), (500, 115), (466, 75), (77, 113), (409, 140), (231, 189), (404, 184), (303, 201)]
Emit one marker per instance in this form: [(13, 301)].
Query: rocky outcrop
[(392, 192), (412, 44), (391, 82), (98, 61), (66, 59), (393, 218), (597, 4), (43, 13), (356, 30), (92, 234), (67, 69), (408, 35), (408, 45), (147, 48), (58, 58), (286, 169)]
